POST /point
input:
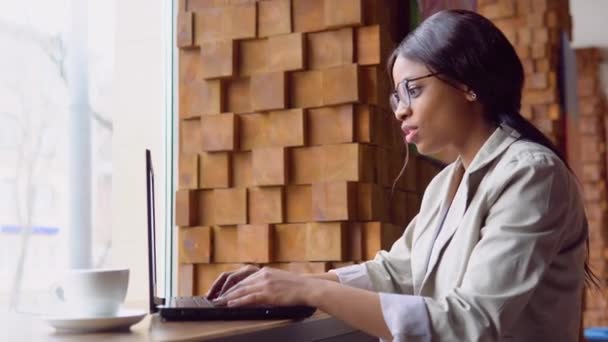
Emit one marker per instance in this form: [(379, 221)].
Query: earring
[(473, 96)]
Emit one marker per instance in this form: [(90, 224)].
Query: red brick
[(274, 17), (268, 91), (266, 205), (219, 132), (330, 48)]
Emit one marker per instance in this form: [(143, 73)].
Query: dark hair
[(466, 48)]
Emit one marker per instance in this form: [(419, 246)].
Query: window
[(85, 88)]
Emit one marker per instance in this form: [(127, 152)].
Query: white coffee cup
[(93, 292)]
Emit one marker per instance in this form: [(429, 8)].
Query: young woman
[(498, 249)]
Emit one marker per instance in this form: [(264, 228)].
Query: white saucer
[(121, 321)]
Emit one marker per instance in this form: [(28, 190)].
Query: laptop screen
[(154, 299)]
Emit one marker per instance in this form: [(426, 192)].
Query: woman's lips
[(410, 133)]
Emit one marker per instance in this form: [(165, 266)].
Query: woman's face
[(438, 115)]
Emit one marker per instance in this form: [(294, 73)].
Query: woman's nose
[(402, 112)]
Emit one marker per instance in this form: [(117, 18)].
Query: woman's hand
[(227, 280), (270, 286)]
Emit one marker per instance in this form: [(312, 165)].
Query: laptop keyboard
[(192, 302)]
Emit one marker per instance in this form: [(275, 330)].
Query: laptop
[(199, 308)]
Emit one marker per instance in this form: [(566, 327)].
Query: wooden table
[(319, 327)]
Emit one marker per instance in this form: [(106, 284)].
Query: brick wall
[(287, 146)]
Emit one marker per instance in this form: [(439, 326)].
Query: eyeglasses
[(403, 94)]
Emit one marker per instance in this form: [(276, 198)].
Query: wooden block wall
[(593, 122), (288, 149), (534, 28)]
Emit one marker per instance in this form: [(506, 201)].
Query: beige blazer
[(507, 264)]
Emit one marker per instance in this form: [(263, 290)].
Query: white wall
[(139, 124), (590, 24)]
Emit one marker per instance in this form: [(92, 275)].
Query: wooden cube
[(185, 208), (208, 25), (230, 206), (304, 165), (335, 201), (253, 130), (399, 208), (370, 202), (270, 166), (200, 97), (331, 125), (369, 125), (354, 241), (268, 91), (205, 208), (238, 98), (242, 175), (255, 243), (266, 205), (240, 22), (298, 203), (286, 52), (302, 267), (188, 171), (286, 128), (225, 244), (288, 240), (190, 136), (374, 89), (308, 15), (413, 205), (306, 89), (219, 132), (185, 29), (325, 241), (185, 280), (370, 50), (341, 85), (378, 236), (218, 59), (214, 170), (253, 56), (206, 274), (328, 49), (189, 68), (346, 162), (274, 17), (340, 13), (194, 245)]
